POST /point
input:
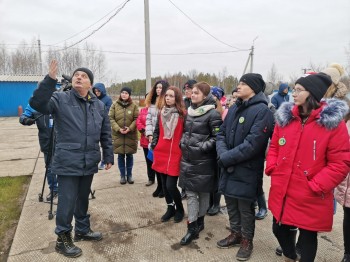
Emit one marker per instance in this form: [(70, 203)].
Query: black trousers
[(170, 190), (73, 200), (346, 230), (307, 241), (150, 172)]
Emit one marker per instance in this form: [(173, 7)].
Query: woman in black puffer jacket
[(198, 171)]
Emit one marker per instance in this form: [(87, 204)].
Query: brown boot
[(233, 239), (246, 249)]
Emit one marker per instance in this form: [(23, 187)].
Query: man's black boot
[(65, 246), (192, 233), (89, 236), (262, 213), (215, 208)]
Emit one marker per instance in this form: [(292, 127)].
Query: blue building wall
[(14, 94)]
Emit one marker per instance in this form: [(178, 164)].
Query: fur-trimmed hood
[(331, 113)]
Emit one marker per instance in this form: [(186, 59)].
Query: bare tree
[(347, 53), (317, 67), (273, 76), (5, 65), (25, 60)]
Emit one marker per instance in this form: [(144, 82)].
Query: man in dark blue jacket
[(44, 123), (281, 96), (241, 144), (81, 124), (99, 90)]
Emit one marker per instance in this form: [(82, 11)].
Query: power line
[(87, 27), (97, 29), (162, 54), (222, 42)]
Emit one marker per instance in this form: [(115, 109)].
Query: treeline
[(25, 59), (228, 82)]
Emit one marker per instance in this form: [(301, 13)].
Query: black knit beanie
[(126, 89), (254, 81), (316, 84), (87, 71), (189, 84)]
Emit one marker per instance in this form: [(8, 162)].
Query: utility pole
[(40, 62), (250, 59), (148, 48)]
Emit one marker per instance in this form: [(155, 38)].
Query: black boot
[(179, 214), (200, 223), (169, 213), (262, 213), (65, 246), (159, 188), (215, 208), (192, 233)]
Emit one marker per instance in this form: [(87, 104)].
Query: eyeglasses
[(297, 91)]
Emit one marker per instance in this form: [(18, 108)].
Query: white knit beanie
[(335, 71)]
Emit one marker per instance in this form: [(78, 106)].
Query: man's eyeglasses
[(297, 91)]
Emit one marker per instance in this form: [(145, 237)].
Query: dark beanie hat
[(126, 89), (189, 84), (254, 81), (87, 71), (316, 84)]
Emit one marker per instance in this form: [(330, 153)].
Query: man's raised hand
[(53, 68)]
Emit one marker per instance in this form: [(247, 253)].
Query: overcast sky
[(291, 34)]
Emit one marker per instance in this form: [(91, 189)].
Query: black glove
[(28, 121)]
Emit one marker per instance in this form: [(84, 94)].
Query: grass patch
[(12, 195)]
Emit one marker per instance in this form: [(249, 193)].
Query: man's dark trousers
[(73, 199)]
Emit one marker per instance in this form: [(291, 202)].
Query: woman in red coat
[(167, 152), (308, 157)]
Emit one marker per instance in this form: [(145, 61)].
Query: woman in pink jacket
[(342, 195), (308, 157)]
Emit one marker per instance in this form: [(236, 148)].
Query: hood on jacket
[(282, 87), (102, 89), (332, 113)]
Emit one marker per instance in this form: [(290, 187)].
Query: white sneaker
[(101, 166)]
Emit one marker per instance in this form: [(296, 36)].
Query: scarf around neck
[(200, 110), (169, 117)]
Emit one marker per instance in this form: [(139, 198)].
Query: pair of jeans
[(73, 200), (150, 172), (307, 241), (241, 214), (125, 167), (51, 177)]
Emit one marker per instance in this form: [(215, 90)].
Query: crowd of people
[(208, 146)]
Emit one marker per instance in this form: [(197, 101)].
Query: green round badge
[(241, 120), (282, 141)]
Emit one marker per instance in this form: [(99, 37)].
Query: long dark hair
[(179, 103), (311, 104), (151, 98)]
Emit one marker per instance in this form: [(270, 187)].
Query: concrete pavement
[(128, 216)]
